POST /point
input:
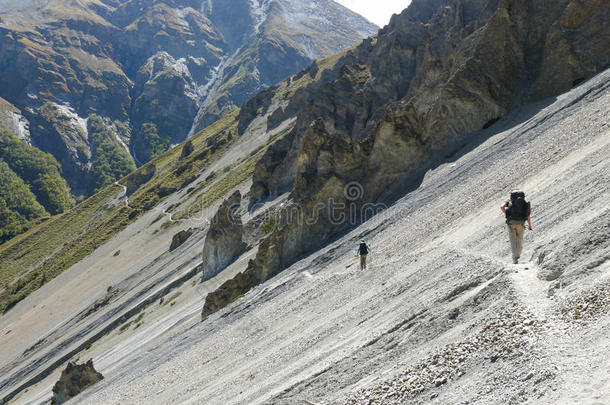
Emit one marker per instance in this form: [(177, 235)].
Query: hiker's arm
[(503, 208), (529, 223)]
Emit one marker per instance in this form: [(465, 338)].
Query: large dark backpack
[(518, 209), (363, 249)]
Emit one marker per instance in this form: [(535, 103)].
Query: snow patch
[(75, 120), (308, 46), (260, 11), (180, 67), (7, 6), (163, 61), (317, 17), (118, 138), (20, 126), (208, 91), (182, 13)]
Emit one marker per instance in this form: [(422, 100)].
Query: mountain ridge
[(175, 65)]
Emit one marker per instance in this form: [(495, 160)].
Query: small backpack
[(518, 209), (363, 249)]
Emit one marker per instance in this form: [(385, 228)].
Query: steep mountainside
[(441, 316), (153, 72), (223, 270), (441, 69)]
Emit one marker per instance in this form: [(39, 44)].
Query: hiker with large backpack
[(363, 250), (517, 212)]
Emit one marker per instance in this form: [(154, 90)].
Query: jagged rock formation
[(439, 70), (154, 72), (180, 238), (74, 379), (224, 241)]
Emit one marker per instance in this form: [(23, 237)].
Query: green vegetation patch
[(18, 206), (37, 256), (269, 225), (136, 322), (231, 178), (110, 160), (39, 170), (219, 189), (157, 143)]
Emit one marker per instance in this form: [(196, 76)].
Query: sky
[(377, 11)]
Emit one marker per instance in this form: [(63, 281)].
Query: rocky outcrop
[(224, 241), (74, 379), (287, 36), (180, 238), (187, 149), (441, 69)]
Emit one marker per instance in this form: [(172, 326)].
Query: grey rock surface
[(224, 241), (180, 238), (438, 72), (441, 316)]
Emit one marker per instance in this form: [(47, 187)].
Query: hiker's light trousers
[(515, 234), (362, 262)]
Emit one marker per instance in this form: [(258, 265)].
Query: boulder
[(138, 178), (187, 149), (74, 379), (180, 238)]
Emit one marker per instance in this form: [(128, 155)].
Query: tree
[(156, 142)]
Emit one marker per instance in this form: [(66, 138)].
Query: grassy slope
[(32, 259)]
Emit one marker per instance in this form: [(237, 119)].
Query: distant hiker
[(517, 211), (363, 250)]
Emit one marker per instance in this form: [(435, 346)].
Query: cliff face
[(224, 240), (155, 72), (441, 69)]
